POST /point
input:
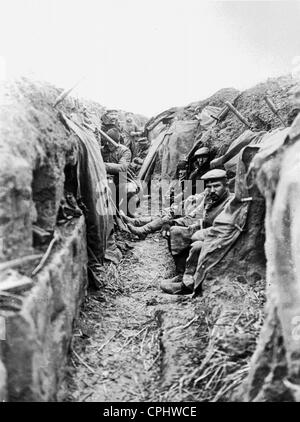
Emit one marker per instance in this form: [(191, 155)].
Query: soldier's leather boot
[(176, 279), (137, 221), (151, 227), (173, 287)]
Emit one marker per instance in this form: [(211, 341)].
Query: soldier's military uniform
[(185, 242)]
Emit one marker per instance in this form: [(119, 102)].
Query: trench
[(118, 349), (133, 343), (130, 342)]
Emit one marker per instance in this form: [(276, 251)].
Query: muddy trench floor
[(132, 342)]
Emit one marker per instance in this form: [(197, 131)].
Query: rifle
[(107, 137), (238, 114), (274, 110), (65, 93)]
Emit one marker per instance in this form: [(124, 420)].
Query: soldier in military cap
[(200, 160), (186, 242), (175, 193), (216, 185), (200, 165)]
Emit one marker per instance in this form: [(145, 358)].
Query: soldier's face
[(216, 189), (110, 147), (113, 117), (181, 174), (202, 160)]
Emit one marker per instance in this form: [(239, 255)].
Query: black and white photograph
[(149, 204)]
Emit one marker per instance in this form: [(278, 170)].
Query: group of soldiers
[(186, 221), (126, 136), (122, 147), (191, 210)]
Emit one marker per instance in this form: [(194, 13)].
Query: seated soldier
[(142, 226), (200, 162), (175, 191), (185, 242), (184, 213)]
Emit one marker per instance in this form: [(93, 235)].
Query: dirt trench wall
[(275, 369), (272, 234), (35, 149), (38, 335), (251, 104)]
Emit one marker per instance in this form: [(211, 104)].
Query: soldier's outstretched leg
[(137, 221), (151, 227)]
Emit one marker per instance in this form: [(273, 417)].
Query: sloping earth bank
[(135, 343)]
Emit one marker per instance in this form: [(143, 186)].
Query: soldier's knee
[(196, 246), (198, 236)]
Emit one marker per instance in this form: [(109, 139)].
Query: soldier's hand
[(217, 162)]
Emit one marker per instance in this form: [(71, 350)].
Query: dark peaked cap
[(201, 151)]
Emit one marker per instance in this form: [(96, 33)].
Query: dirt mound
[(275, 366), (252, 106), (250, 103), (190, 111)]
